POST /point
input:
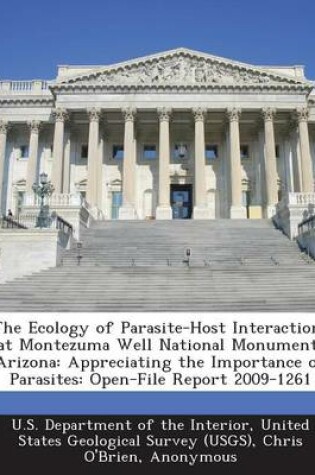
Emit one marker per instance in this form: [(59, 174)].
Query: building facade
[(175, 135)]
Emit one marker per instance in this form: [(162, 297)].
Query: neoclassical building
[(180, 134)]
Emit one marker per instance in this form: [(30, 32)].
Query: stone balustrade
[(34, 87), (292, 210), (301, 198), (56, 199)]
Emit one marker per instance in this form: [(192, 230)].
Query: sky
[(36, 36)]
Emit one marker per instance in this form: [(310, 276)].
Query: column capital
[(94, 114), (199, 114), (4, 127), (164, 113), (60, 115), (268, 113), (233, 114), (129, 114), (35, 126), (301, 114)]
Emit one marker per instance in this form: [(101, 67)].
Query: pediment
[(178, 71)]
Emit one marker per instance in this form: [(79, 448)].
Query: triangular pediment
[(179, 70)]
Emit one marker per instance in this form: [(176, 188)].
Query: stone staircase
[(141, 266)]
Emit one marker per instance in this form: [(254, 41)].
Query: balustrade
[(24, 87)]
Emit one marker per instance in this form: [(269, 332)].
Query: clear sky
[(36, 35)]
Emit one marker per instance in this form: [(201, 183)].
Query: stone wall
[(26, 251)]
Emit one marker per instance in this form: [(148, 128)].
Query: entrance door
[(116, 203), (181, 201)]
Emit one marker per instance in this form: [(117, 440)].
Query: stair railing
[(9, 222)]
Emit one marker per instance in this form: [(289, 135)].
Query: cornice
[(16, 101), (229, 89)]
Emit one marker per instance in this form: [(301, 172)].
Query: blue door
[(181, 201), (116, 203)]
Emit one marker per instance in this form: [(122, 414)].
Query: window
[(180, 151), (51, 151), (244, 149), (84, 151), (118, 152), (149, 152), (277, 151), (211, 152), (24, 151)]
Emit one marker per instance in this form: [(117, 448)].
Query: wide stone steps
[(138, 266)]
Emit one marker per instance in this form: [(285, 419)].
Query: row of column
[(164, 211)]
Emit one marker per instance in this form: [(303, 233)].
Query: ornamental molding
[(199, 114), (164, 113), (4, 127), (268, 113), (180, 70), (233, 114), (129, 113), (94, 114), (16, 101), (60, 115), (35, 126), (302, 114)]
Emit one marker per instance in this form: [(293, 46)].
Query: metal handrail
[(63, 225), (306, 225), (9, 222)]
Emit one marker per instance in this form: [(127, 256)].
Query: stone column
[(57, 168), (270, 163), (3, 144), (127, 210), (306, 160), (288, 159), (237, 211), (256, 205), (32, 165), (201, 211), (94, 117), (295, 155), (99, 167), (164, 210), (66, 162), (288, 165)]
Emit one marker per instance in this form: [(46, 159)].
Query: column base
[(238, 212), (127, 212), (164, 212), (202, 212)]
